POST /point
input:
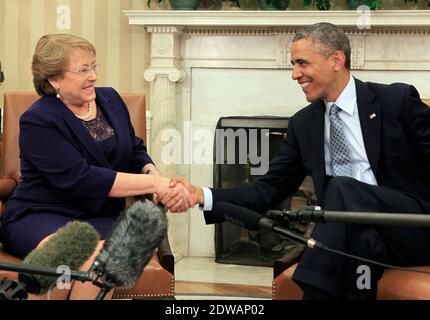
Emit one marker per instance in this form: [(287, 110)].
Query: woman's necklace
[(90, 111)]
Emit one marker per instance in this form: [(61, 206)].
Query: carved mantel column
[(163, 74)]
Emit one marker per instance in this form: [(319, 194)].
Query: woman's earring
[(58, 93)]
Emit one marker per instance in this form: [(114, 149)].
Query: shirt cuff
[(207, 206)]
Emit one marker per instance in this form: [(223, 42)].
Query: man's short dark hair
[(329, 38)]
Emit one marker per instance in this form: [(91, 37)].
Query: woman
[(79, 154)]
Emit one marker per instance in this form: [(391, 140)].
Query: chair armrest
[(7, 186), (167, 260), (283, 263)]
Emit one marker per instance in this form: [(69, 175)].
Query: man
[(367, 148)]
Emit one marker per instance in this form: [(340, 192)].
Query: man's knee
[(341, 183), (342, 193)]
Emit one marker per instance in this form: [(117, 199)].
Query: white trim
[(347, 18)]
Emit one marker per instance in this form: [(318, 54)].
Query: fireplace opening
[(243, 149)]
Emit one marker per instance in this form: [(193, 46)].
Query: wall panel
[(120, 47)]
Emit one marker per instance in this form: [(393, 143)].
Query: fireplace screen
[(243, 149)]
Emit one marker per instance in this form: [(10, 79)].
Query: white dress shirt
[(361, 170), (347, 102)]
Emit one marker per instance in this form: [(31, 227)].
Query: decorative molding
[(235, 31), (264, 31), (163, 45), (165, 54), (164, 29), (283, 57), (173, 74), (170, 29), (357, 50), (280, 19)]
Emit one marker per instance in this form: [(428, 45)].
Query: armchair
[(157, 280), (394, 284)]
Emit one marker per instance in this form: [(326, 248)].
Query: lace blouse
[(102, 133)]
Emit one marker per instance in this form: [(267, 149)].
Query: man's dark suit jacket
[(397, 143), (63, 170)]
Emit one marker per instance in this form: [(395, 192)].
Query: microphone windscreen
[(238, 215), (71, 246), (131, 243)]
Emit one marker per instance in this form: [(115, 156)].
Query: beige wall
[(122, 50)]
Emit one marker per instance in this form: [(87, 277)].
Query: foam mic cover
[(238, 215), (131, 243), (71, 245)]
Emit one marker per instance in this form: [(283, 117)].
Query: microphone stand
[(101, 280), (44, 271), (18, 289), (12, 290), (104, 289), (317, 214), (269, 225)]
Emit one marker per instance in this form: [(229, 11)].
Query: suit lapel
[(106, 104), (370, 119), (316, 138), (81, 133)]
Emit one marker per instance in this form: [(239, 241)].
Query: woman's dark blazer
[(63, 170)]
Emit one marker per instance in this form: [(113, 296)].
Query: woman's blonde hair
[(51, 57)]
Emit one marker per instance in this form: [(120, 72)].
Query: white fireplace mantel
[(208, 64), (380, 40), (348, 18)]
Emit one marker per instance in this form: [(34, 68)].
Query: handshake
[(179, 195)]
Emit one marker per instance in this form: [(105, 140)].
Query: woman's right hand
[(180, 197)]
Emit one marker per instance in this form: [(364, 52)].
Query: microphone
[(129, 247), (70, 246), (254, 221), (316, 214)]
